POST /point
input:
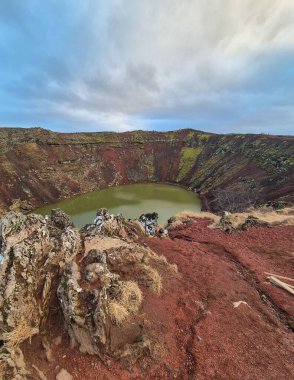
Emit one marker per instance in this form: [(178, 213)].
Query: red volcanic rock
[(251, 341), (217, 318), (41, 166)]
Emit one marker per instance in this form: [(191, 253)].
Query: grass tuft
[(131, 296), (117, 312), (153, 280), (127, 301), (174, 268), (22, 332)]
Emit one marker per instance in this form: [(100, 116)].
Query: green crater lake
[(129, 200)]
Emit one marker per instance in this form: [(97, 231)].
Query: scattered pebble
[(57, 341), (64, 375), (238, 303)]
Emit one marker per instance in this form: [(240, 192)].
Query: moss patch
[(187, 160), (204, 137)]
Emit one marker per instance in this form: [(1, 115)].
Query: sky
[(223, 66)]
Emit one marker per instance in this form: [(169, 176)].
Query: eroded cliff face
[(41, 166)]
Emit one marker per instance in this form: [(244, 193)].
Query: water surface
[(129, 200)]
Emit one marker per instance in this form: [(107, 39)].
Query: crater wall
[(40, 166)]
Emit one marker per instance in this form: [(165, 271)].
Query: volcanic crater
[(195, 300), (40, 166)]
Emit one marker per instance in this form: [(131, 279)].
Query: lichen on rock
[(96, 276), (33, 249)]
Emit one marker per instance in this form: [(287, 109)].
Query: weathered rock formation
[(100, 303), (33, 250), (95, 277), (40, 166)]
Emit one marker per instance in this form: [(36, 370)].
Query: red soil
[(206, 338)]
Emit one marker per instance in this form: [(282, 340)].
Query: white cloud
[(122, 61)]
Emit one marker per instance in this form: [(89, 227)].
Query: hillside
[(41, 166), (109, 302)]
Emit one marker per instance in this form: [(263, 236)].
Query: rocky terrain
[(121, 299), (89, 284), (40, 166), (111, 302)]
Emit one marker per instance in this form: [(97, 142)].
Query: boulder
[(149, 222), (252, 221)]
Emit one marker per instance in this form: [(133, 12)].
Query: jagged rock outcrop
[(40, 166), (261, 217), (33, 250), (96, 277), (137, 315), (149, 222)]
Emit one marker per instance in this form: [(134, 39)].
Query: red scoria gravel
[(206, 337)]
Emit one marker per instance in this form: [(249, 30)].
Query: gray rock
[(60, 219), (31, 259), (94, 271), (149, 222)]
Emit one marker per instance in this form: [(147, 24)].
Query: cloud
[(217, 65)]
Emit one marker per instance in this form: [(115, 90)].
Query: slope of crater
[(40, 166), (109, 302)]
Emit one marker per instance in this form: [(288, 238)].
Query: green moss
[(187, 160), (275, 158), (149, 163), (137, 137), (93, 139), (204, 137), (170, 135), (191, 134), (150, 170)]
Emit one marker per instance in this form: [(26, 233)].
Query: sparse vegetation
[(21, 333), (239, 197), (189, 214), (161, 259), (174, 268), (2, 369), (117, 312), (272, 217), (25, 328), (181, 217), (187, 160), (158, 258), (153, 279), (131, 296), (127, 301)]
